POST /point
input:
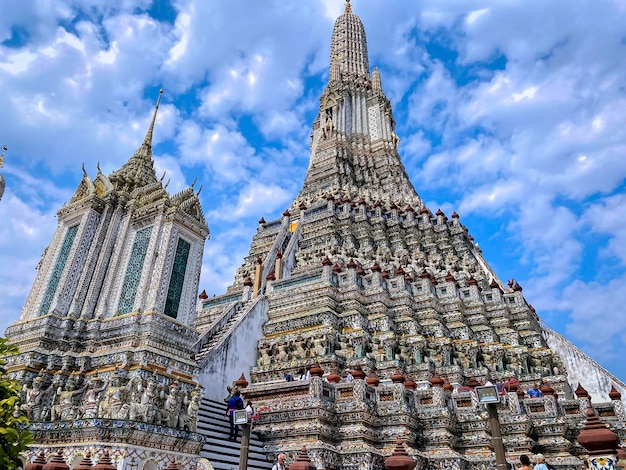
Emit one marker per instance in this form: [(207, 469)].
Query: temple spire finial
[(4, 149), (348, 47), (148, 138), (376, 83), (139, 170)]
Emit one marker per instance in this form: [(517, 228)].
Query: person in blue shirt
[(541, 462), (534, 391), (235, 403)]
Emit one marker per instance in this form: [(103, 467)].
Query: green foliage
[(14, 438)]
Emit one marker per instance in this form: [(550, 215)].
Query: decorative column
[(400, 460), (601, 443), (256, 289), (303, 462), (278, 269), (247, 289)]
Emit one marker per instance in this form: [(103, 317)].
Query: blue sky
[(512, 113)]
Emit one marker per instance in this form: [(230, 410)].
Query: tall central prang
[(358, 275)]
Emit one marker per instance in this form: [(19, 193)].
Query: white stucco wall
[(582, 369), (238, 354)]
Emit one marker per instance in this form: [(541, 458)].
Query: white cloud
[(598, 325), (607, 218), (256, 200), (475, 15), (170, 167), (226, 153), (22, 220), (223, 255)]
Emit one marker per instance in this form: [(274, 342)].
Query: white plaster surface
[(582, 369), (236, 355)]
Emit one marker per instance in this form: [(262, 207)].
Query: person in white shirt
[(281, 463), (251, 413), (349, 377)]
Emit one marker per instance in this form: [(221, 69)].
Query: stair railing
[(228, 312), (225, 333)]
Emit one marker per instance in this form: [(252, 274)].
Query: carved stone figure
[(535, 365), (264, 355), (91, 401), (345, 350), (172, 405), (300, 349), (319, 346), (33, 398), (462, 360), (445, 355), (192, 411), (329, 126), (145, 407), (418, 353), (67, 409), (114, 398), (282, 356), (390, 348)]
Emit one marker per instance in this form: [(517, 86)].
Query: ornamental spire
[(2, 183), (139, 170), (348, 49), (376, 83), (148, 139)]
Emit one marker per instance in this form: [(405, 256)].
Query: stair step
[(222, 453)]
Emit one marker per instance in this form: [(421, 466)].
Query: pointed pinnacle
[(148, 138)]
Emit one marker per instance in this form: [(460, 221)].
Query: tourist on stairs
[(235, 403)]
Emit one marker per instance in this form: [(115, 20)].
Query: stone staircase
[(216, 333), (222, 453)]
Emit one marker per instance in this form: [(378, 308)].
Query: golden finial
[(4, 149), (348, 7)]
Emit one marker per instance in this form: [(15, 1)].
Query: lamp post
[(241, 417), (488, 395)]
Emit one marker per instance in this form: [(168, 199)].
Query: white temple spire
[(139, 170), (376, 82), (148, 139), (348, 49)]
